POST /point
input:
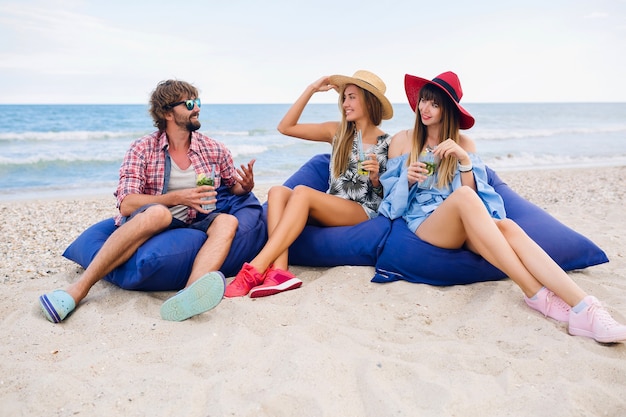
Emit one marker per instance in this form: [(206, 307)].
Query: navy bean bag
[(429, 264), (333, 246), (163, 263), (398, 254)]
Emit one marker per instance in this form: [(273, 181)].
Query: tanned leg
[(305, 202), (215, 249), (277, 199), (539, 263), (120, 246), (462, 219)]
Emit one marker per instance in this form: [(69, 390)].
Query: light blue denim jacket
[(415, 204)]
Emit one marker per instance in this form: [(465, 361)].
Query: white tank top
[(179, 180)]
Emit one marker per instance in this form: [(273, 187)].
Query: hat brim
[(341, 80), (412, 87)]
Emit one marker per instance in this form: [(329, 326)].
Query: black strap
[(447, 87)]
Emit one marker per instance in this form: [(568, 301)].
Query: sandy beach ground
[(338, 346)]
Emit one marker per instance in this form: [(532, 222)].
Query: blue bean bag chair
[(428, 264), (163, 263), (333, 246), (398, 254)]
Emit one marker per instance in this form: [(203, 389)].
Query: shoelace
[(557, 302), (604, 318), (249, 279)]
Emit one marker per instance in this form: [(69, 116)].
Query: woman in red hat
[(450, 204), (354, 191)]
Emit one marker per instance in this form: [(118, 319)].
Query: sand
[(338, 346)]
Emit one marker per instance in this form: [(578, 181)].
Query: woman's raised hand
[(323, 84)]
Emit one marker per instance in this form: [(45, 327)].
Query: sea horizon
[(399, 103), (76, 149)]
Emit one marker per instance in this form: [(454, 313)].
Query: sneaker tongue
[(251, 277)]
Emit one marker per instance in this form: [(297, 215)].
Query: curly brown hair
[(165, 93)]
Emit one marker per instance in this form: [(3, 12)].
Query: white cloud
[(250, 51)]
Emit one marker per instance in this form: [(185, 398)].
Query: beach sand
[(338, 346)]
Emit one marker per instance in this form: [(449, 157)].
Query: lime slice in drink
[(430, 167)]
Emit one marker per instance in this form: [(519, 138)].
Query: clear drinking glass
[(362, 155), (203, 179), (432, 162)]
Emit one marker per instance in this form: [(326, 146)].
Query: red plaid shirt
[(143, 168)]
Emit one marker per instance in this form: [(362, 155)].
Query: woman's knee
[(466, 197), (509, 228), (278, 193), (302, 191), (465, 192)]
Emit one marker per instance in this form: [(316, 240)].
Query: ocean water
[(61, 150)]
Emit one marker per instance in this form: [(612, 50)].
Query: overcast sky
[(268, 51)]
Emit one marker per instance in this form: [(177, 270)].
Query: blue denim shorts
[(202, 222)]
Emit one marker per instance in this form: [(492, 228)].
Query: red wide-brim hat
[(449, 83)]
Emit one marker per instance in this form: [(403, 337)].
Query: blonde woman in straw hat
[(462, 209), (351, 198)]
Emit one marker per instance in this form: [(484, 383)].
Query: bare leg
[(214, 251), (540, 265), (462, 219), (277, 199), (305, 202), (120, 246)]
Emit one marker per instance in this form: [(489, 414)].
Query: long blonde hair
[(449, 129), (342, 143)]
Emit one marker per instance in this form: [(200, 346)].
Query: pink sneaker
[(277, 280), (550, 305), (595, 322), (245, 280)]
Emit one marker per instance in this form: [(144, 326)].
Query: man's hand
[(246, 177)]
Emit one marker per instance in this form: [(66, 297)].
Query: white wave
[(535, 161), (505, 134), (64, 136), (243, 150), (61, 158), (219, 133)]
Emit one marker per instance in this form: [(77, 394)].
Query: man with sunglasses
[(157, 191)]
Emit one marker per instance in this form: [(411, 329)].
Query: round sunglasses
[(188, 103)]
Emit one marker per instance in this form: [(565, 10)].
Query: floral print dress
[(352, 186)]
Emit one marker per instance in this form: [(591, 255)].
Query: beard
[(188, 124), (193, 126)]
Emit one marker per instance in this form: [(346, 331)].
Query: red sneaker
[(246, 279), (277, 280)]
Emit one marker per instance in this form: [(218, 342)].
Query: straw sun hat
[(367, 81), (449, 83)]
